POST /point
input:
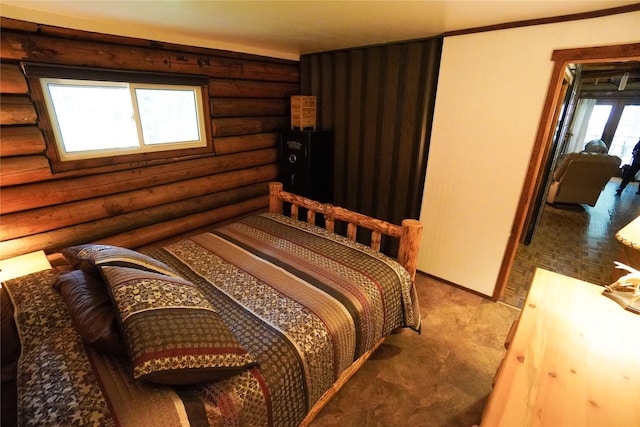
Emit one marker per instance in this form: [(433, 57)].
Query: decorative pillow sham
[(90, 256), (173, 333), (91, 309)]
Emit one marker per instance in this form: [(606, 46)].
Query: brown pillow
[(91, 309), (89, 257), (173, 333)]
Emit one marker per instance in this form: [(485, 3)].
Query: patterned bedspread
[(305, 303)]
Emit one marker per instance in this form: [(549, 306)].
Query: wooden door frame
[(540, 153)]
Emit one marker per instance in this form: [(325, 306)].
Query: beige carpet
[(441, 377)]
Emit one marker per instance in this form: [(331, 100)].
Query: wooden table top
[(574, 360)]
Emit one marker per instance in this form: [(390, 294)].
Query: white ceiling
[(287, 29)]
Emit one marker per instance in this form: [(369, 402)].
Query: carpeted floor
[(441, 377), (577, 241)]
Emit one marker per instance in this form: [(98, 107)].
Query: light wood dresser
[(573, 360)]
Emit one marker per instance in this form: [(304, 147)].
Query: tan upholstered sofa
[(580, 178)]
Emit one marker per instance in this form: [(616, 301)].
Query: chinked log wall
[(140, 203)]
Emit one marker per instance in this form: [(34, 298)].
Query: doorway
[(607, 107), (600, 102), (542, 154)]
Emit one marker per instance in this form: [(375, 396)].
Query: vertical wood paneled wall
[(139, 203), (379, 103)]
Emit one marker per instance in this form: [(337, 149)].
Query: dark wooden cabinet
[(306, 164)]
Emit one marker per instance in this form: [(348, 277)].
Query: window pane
[(597, 122), (168, 115), (627, 133), (93, 117)]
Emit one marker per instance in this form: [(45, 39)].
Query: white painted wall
[(491, 92)]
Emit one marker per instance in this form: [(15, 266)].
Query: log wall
[(136, 204)]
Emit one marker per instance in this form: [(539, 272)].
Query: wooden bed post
[(409, 233), (275, 202), (410, 237)]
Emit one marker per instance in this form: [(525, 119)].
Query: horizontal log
[(123, 40), (242, 107), (225, 53), (157, 232), (41, 220), (17, 110), (14, 199), (134, 229), (23, 169), (224, 88), (15, 24), (21, 141), (120, 167), (92, 36), (6, 181), (236, 144), (52, 50), (248, 125), (12, 80)]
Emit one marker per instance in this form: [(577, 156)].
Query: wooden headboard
[(409, 233)]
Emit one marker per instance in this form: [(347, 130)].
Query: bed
[(257, 322)]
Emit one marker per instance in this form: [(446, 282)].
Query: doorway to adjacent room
[(548, 145)]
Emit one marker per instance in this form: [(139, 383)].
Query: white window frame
[(65, 155)]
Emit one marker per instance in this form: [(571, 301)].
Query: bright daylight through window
[(627, 133), (99, 119)]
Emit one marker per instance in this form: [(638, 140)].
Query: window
[(627, 134), (597, 121), (104, 117), (97, 119)]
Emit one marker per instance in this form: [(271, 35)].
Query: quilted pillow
[(91, 309), (90, 256), (173, 333)]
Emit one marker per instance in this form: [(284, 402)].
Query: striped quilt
[(304, 302)]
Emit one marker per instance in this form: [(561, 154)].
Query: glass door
[(597, 122), (627, 133)]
